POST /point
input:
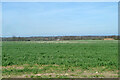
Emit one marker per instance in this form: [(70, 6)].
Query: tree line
[(58, 38)]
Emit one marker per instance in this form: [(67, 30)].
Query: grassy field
[(60, 59)]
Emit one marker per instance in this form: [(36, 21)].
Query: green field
[(60, 59)]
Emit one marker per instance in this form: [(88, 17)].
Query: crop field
[(60, 59)]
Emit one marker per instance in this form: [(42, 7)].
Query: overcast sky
[(57, 18)]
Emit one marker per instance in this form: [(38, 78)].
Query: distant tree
[(14, 38)]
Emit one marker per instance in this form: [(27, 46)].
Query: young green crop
[(83, 54)]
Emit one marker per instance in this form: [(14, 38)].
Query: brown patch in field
[(52, 74), (104, 74), (76, 73), (109, 39), (13, 66), (85, 74), (26, 65), (49, 65)]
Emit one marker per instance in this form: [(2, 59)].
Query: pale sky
[(59, 18)]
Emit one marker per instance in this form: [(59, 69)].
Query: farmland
[(60, 59)]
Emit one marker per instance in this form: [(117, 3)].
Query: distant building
[(58, 40), (46, 39)]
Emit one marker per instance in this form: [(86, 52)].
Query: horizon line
[(63, 35)]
